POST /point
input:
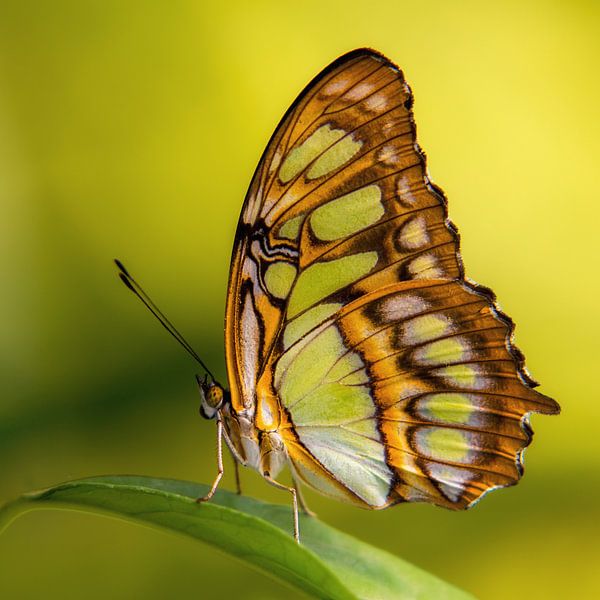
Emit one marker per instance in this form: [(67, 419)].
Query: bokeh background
[(132, 129)]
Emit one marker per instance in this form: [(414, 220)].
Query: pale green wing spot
[(348, 364), (299, 158), (318, 408), (448, 408), (333, 404), (366, 427), (339, 154), (319, 280), (297, 377), (279, 278), (347, 214), (288, 357), (303, 323), (462, 375), (290, 230), (318, 482), (355, 378), (445, 444), (424, 328), (355, 460), (443, 351)]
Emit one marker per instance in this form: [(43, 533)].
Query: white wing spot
[(335, 87), (275, 162), (405, 196), (376, 103), (400, 306), (388, 155), (358, 92), (425, 267), (413, 234), (249, 343), (253, 207), (452, 480)]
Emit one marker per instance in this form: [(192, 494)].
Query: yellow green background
[(132, 129)]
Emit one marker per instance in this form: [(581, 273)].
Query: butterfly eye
[(211, 398)]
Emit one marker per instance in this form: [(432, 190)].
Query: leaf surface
[(327, 564)]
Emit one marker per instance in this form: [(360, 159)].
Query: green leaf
[(327, 564)]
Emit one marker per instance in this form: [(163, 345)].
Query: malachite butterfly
[(358, 353)]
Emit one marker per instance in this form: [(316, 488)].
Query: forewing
[(340, 204)]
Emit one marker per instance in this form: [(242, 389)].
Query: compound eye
[(214, 396), (211, 398)]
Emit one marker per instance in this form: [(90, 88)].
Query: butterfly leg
[(238, 483), (301, 500), (237, 461), (219, 476), (293, 492)]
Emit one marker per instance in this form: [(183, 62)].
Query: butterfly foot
[(212, 491)]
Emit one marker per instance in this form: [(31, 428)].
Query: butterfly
[(358, 354)]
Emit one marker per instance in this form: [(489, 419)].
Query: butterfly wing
[(397, 378)]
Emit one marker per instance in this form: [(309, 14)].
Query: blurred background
[(132, 129)]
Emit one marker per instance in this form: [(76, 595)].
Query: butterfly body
[(357, 352), (256, 442)]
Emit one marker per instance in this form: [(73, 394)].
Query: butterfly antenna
[(137, 289)]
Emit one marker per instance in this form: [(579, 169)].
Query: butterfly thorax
[(253, 435)]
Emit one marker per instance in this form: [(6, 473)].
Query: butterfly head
[(212, 397)]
